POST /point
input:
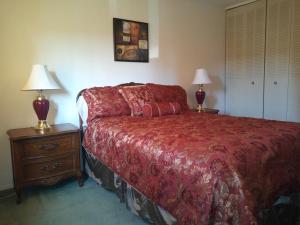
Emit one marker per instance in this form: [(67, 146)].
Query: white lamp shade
[(201, 77), (40, 79)]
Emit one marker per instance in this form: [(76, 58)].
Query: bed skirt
[(134, 200)]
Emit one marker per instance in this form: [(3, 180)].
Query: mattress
[(201, 168)]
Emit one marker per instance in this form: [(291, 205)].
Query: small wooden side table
[(44, 158)]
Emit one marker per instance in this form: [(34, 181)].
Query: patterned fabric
[(135, 201), (105, 101), (161, 108), (202, 168), (136, 97), (169, 93)]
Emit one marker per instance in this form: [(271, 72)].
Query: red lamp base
[(200, 96), (41, 108)]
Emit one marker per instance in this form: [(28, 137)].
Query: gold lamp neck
[(40, 95), (201, 87)]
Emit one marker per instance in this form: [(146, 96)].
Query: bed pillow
[(151, 109), (105, 101), (136, 97), (169, 93)]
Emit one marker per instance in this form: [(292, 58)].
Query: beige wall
[(74, 38)]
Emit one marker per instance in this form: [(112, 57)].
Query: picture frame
[(131, 40)]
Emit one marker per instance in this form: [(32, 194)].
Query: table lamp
[(40, 80), (201, 77)]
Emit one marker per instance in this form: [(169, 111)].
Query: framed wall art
[(131, 40)]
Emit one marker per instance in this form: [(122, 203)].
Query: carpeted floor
[(67, 204)]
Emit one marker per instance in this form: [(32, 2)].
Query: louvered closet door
[(245, 47), (277, 59), (293, 113)]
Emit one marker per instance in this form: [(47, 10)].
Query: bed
[(189, 168)]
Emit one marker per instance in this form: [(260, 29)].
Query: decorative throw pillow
[(161, 108), (136, 96), (105, 101), (169, 93)]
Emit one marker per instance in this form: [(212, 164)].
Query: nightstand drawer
[(43, 169), (45, 147)]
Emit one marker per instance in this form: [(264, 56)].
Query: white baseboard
[(5, 187)]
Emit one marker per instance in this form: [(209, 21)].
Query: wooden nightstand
[(44, 159), (206, 110)]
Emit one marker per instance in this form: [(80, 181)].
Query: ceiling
[(226, 2)]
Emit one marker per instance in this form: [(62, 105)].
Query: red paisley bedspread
[(202, 168)]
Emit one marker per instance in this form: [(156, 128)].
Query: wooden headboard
[(121, 85)]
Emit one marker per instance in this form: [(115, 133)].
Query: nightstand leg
[(18, 196), (80, 180)]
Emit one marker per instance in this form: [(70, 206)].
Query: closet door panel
[(244, 97), (277, 59), (245, 46), (278, 38), (295, 40), (275, 98), (293, 113), (245, 40)]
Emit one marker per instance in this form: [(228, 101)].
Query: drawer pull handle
[(252, 82), (50, 168), (47, 147), (275, 83)]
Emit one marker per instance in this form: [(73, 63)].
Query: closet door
[(245, 51), (293, 113), (277, 59)]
